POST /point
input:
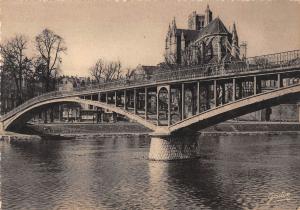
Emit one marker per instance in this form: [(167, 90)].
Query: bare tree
[(31, 82), (118, 69), (50, 46), (103, 71), (113, 71), (129, 73), (16, 63), (97, 70)]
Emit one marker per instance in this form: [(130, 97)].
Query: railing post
[(254, 85), (125, 100), (106, 97), (198, 97), (279, 81), (157, 106), (146, 103), (258, 85), (99, 96), (134, 101), (233, 89), (215, 93), (75, 114), (169, 106), (59, 113), (223, 96), (182, 101), (240, 93), (116, 102)]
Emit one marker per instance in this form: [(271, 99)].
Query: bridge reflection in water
[(234, 172), (177, 102)]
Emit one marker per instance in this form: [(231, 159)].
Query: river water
[(233, 172)]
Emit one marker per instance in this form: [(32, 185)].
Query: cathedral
[(206, 41)]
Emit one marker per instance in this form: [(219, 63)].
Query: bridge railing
[(257, 63), (276, 58), (35, 100)]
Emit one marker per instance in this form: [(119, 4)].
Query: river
[(232, 172)]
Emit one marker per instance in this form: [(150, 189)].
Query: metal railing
[(37, 99), (258, 63), (253, 64)]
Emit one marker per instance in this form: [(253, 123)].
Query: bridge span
[(177, 102)]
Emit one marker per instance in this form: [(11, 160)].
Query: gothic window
[(209, 51)]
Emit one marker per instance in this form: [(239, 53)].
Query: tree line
[(24, 71), (106, 71), (24, 76)]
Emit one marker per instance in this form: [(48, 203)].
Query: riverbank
[(90, 128), (12, 136), (130, 128)]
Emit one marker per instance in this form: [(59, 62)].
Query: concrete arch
[(237, 108), (8, 122)]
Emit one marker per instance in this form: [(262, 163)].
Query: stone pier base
[(173, 147)]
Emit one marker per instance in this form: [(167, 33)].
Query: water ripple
[(237, 172)]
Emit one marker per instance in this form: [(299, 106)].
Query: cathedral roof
[(188, 34), (214, 27)]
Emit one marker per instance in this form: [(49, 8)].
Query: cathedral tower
[(235, 43), (172, 43), (195, 21), (208, 16)]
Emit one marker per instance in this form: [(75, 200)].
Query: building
[(206, 40), (143, 72)]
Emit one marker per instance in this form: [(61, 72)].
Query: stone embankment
[(63, 130), (252, 128), (11, 136), (126, 128), (84, 129)]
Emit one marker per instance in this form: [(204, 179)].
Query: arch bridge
[(175, 103)]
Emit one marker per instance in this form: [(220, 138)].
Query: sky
[(134, 31)]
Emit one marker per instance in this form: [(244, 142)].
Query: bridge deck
[(282, 65)]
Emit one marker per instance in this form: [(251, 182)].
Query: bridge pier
[(173, 147)]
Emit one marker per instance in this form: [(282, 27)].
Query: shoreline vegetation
[(73, 130)]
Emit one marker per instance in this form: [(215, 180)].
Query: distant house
[(143, 72), (66, 84)]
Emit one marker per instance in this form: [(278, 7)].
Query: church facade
[(206, 41)]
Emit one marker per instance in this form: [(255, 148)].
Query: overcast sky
[(134, 31)]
